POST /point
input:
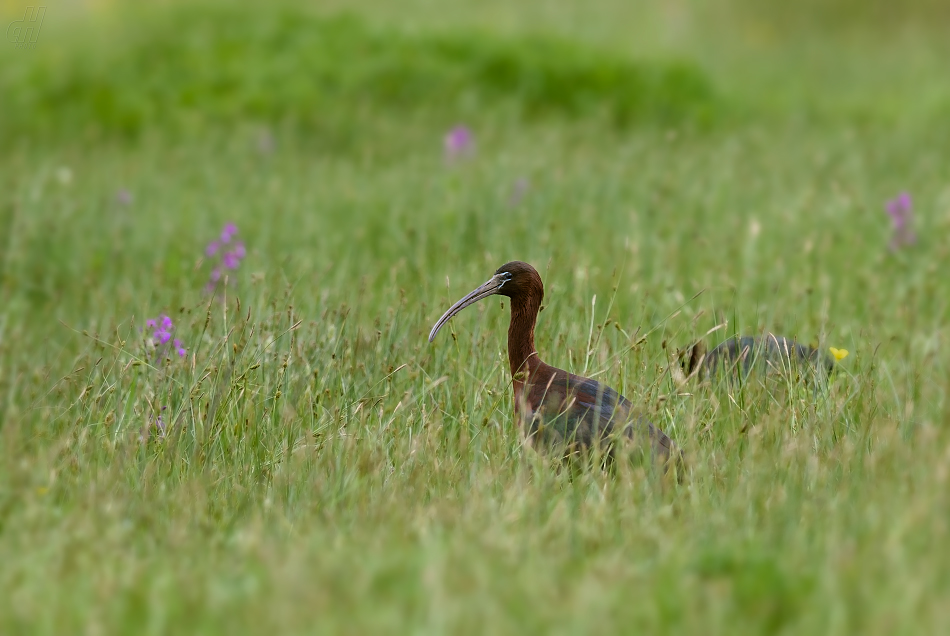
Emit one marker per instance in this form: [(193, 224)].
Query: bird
[(770, 353), (556, 409)]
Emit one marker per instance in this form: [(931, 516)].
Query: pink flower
[(226, 259), (459, 142), (162, 337), (162, 328), (230, 260), (229, 230), (900, 211)]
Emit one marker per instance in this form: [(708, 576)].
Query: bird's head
[(691, 357), (516, 280)]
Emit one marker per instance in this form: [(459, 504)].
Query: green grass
[(327, 470), (199, 65)]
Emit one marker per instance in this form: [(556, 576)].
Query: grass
[(327, 470), (190, 66)]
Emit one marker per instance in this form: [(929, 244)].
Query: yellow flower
[(839, 354)]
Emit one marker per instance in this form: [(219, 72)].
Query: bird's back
[(772, 354), (579, 413)]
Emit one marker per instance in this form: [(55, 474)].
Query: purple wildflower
[(123, 197), (458, 143), (900, 211), (227, 259), (230, 260), (229, 230), (162, 328)]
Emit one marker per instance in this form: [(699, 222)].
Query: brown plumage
[(555, 408)]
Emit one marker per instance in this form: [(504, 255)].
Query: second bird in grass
[(738, 357), (556, 408)]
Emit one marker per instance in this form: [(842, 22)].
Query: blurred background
[(250, 99), (354, 76)]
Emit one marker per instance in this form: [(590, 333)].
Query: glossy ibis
[(554, 408), (741, 355)]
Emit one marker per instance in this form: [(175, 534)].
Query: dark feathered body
[(562, 410), (745, 354)]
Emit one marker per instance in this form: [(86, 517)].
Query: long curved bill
[(491, 287)]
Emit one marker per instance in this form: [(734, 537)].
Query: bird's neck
[(522, 356)]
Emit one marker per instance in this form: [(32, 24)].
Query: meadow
[(295, 457)]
